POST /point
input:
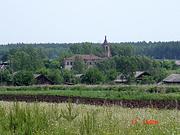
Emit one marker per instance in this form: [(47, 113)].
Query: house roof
[(78, 75), (139, 73), (177, 62), (121, 78), (84, 57), (36, 75), (173, 78), (2, 66)]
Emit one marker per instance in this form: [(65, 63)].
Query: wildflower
[(151, 122)]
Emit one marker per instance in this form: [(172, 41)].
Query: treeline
[(47, 59), (157, 50), (26, 61)]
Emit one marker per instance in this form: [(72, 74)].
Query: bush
[(93, 76), (23, 78)]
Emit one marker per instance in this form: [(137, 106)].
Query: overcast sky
[(31, 21)]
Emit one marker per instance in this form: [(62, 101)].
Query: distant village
[(91, 61)]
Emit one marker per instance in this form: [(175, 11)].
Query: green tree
[(55, 76), (68, 76), (23, 78), (5, 77), (93, 76), (111, 75), (26, 58), (159, 74), (79, 65), (127, 66)]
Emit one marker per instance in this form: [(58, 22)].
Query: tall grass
[(71, 119)]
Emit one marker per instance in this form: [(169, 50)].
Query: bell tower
[(106, 48)]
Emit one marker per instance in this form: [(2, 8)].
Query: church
[(90, 60)]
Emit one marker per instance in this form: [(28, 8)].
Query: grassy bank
[(132, 92), (71, 119)]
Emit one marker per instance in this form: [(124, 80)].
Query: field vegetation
[(71, 119), (126, 92)]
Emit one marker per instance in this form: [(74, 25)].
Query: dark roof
[(173, 78), (39, 76), (84, 57)]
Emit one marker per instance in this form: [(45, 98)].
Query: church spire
[(106, 46), (105, 41)]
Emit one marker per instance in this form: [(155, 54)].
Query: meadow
[(20, 118)]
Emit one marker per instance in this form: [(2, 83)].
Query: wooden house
[(42, 80), (172, 79)]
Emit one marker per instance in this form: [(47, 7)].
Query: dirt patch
[(160, 104)]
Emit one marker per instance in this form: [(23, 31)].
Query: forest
[(127, 58)]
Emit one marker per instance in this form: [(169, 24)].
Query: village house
[(89, 59), (172, 79), (138, 76), (42, 80)]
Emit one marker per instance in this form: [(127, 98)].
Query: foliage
[(43, 119), (55, 75), (25, 58), (147, 80), (93, 76), (128, 58), (132, 92), (122, 50), (5, 77), (68, 76), (69, 114), (23, 78), (79, 66), (111, 75)]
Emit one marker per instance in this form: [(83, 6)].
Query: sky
[(69, 21)]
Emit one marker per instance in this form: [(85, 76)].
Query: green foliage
[(122, 50), (86, 48), (93, 76), (122, 92), (41, 119), (69, 114), (26, 58), (55, 75), (5, 77), (167, 64), (106, 65), (23, 78), (147, 80), (88, 124), (62, 56), (159, 74), (127, 58), (79, 66), (111, 75), (68, 76)]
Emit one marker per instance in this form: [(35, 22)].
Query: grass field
[(148, 92), (72, 119)]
